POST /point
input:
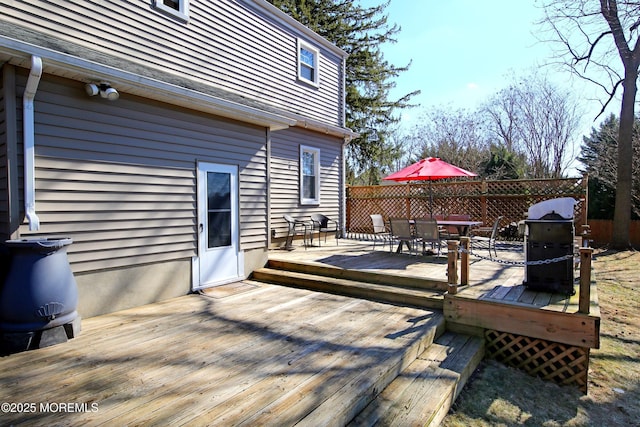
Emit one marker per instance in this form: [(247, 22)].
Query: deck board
[(242, 398), (515, 293), (251, 354)]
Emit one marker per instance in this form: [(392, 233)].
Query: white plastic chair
[(380, 230)]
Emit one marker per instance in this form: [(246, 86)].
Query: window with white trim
[(309, 175), (176, 8), (308, 63)]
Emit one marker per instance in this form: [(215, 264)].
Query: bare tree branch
[(593, 46), (535, 117), (612, 95)]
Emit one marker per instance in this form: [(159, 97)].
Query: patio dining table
[(463, 226)]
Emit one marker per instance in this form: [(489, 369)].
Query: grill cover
[(561, 207)]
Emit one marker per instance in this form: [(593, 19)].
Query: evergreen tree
[(369, 77), (503, 164)]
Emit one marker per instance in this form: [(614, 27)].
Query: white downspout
[(29, 143)]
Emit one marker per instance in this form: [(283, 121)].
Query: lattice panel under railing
[(551, 361), (482, 200)]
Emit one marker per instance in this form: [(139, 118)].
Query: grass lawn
[(501, 396)]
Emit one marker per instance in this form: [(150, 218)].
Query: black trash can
[(39, 298), (549, 234)]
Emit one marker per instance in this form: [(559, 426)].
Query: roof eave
[(59, 63)]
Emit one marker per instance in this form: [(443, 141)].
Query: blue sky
[(462, 52)]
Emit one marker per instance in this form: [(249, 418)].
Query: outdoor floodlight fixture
[(104, 89), (92, 89)]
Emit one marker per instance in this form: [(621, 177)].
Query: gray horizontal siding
[(285, 178), (111, 219), (119, 178), (224, 43), (10, 149)]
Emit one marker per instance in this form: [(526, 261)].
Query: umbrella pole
[(430, 200)]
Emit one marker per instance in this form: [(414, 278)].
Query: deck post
[(452, 266), (465, 242), (585, 280), (586, 235)]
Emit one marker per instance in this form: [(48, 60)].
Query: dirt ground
[(502, 396)]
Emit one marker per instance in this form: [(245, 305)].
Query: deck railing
[(462, 247)]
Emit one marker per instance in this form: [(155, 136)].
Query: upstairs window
[(308, 63), (309, 175), (176, 8)]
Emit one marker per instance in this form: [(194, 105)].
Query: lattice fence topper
[(482, 200)]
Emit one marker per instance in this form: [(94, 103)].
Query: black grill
[(549, 236)]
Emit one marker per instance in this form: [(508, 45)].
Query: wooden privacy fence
[(602, 231), (483, 200)]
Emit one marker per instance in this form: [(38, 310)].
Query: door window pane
[(219, 229), (218, 209), (218, 190)]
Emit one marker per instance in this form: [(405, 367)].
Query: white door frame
[(221, 264)]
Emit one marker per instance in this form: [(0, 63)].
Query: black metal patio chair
[(427, 231), (324, 224), (401, 232), (488, 242)]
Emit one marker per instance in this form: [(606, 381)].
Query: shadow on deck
[(541, 332)]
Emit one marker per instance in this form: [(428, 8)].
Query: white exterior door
[(218, 237)]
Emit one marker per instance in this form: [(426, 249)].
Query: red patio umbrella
[(429, 169)]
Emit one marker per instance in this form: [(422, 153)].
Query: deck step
[(418, 388), (358, 275), (423, 393), (416, 297), (338, 407)]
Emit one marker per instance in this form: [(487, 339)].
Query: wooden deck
[(242, 354), (251, 353), (494, 298)]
